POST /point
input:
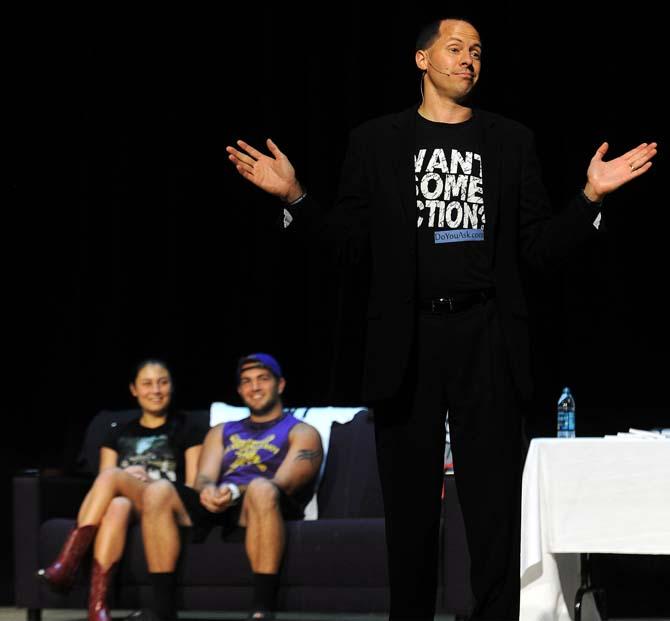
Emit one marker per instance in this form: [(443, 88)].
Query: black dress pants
[(460, 363)]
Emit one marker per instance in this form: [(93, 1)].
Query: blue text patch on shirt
[(458, 235)]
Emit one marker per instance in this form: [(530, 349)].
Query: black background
[(128, 233)]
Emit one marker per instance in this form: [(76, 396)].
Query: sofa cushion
[(89, 457), (322, 554), (350, 487), (318, 553)]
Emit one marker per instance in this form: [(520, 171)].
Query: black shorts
[(204, 521)]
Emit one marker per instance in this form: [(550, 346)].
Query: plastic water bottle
[(565, 421)]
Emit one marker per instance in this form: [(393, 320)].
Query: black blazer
[(376, 205)]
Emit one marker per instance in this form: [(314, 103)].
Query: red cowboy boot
[(60, 574), (97, 597)]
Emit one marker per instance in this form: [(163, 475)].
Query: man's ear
[(281, 385), (421, 60), (133, 390)]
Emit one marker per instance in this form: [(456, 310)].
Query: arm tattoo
[(311, 455)]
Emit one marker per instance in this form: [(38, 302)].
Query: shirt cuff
[(288, 218), (595, 207)]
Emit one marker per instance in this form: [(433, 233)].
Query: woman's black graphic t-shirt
[(159, 450)]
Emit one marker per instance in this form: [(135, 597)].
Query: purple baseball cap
[(259, 360)]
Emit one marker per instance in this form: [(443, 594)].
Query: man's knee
[(262, 495), (157, 497)]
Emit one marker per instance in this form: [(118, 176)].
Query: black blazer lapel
[(402, 159), (492, 173)]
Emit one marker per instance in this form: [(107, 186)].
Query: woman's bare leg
[(111, 538), (108, 485)]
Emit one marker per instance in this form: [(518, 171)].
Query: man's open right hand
[(274, 174)]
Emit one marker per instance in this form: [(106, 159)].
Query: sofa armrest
[(61, 496), (37, 499), (27, 519)]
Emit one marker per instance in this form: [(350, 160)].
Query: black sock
[(265, 591), (164, 586)]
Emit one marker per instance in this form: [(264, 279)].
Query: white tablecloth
[(587, 495)]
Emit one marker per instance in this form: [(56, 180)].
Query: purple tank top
[(254, 450)]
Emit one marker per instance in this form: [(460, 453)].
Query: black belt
[(456, 302)]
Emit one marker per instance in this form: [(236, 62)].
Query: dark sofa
[(334, 564)]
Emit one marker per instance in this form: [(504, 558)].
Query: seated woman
[(159, 443)]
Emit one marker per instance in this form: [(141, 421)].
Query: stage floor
[(19, 614)]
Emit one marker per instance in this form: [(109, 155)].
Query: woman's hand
[(138, 472)]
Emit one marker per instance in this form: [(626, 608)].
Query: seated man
[(253, 473)]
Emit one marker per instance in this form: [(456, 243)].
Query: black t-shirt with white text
[(160, 450), (451, 208)]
